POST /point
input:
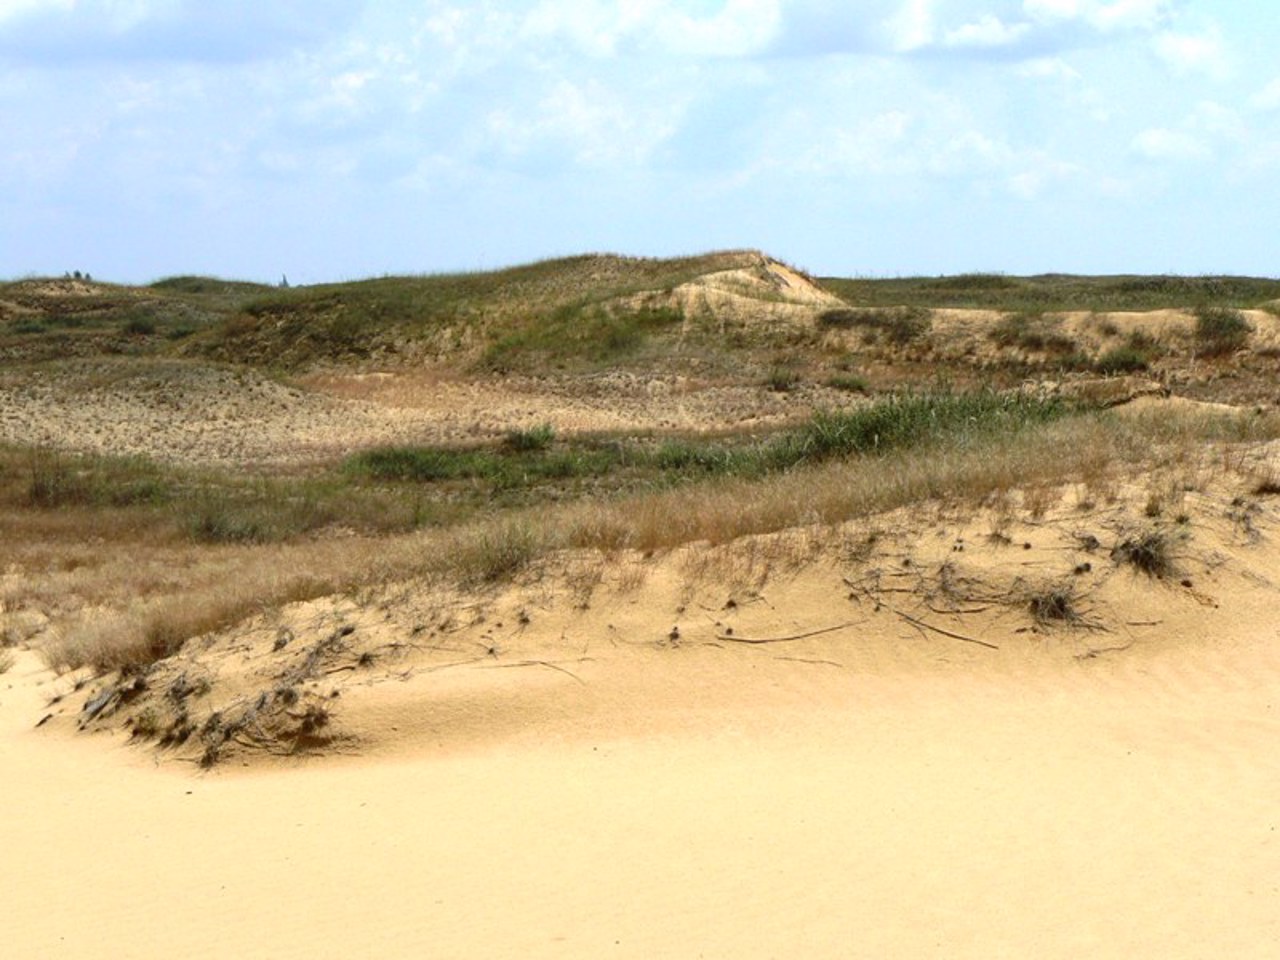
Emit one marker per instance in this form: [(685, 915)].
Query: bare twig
[(946, 633), (825, 663), (726, 638), (544, 663)]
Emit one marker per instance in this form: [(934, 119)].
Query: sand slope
[(593, 787)]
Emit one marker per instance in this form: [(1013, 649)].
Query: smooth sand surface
[(1109, 807)]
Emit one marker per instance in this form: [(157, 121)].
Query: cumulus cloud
[(1161, 143), (602, 29), (986, 31), (1102, 15), (1195, 52), (1049, 68), (1268, 98), (593, 124), (53, 31)]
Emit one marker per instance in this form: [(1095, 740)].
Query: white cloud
[(1195, 53), (1116, 15), (602, 29), (56, 31), (597, 126), (1049, 68), (1161, 143), (1268, 98), (987, 31), (911, 28), (16, 8), (1038, 175), (876, 145)]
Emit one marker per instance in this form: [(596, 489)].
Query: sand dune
[(594, 787)]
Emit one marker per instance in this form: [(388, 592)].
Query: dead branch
[(921, 624), (726, 638)]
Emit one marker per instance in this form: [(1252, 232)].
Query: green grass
[(897, 325), (56, 480), (1121, 360), (1032, 331), (1220, 330), (1055, 292), (848, 382)]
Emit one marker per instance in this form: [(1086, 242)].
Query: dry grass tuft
[(1150, 552), (1055, 605)]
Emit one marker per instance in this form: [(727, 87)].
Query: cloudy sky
[(334, 139)]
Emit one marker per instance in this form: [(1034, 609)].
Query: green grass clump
[(782, 379), (906, 420), (534, 440), (898, 325), (58, 480), (849, 382), (1055, 292), (1031, 331), (1220, 330), (1122, 360)]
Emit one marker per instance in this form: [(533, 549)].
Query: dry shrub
[(1054, 605), (1150, 552)]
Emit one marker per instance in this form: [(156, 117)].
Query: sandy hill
[(609, 606)]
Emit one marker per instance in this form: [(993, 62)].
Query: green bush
[(1121, 360), (534, 440), (849, 382), (898, 325), (1220, 330)]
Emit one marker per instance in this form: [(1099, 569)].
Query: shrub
[(782, 379), (852, 383), (1121, 360), (1031, 331), (898, 325), (1055, 605), (1150, 553), (139, 324), (1220, 330), (534, 440)]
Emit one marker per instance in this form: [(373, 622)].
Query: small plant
[(782, 379), (146, 724), (1054, 606), (1268, 485), (898, 325), (499, 554), (1220, 330), (1121, 360), (534, 440), (1151, 553), (849, 382), (1031, 331), (140, 325), (7, 660)]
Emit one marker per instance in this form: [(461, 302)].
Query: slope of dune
[(884, 740)]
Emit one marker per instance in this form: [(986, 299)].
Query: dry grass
[(112, 613)]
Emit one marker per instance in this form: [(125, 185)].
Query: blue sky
[(334, 139)]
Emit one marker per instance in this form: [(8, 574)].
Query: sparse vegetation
[(896, 325), (1121, 360), (1054, 293), (1220, 330), (1033, 332), (1150, 552), (1054, 605), (212, 546), (849, 382)]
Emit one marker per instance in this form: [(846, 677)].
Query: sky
[(329, 140)]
